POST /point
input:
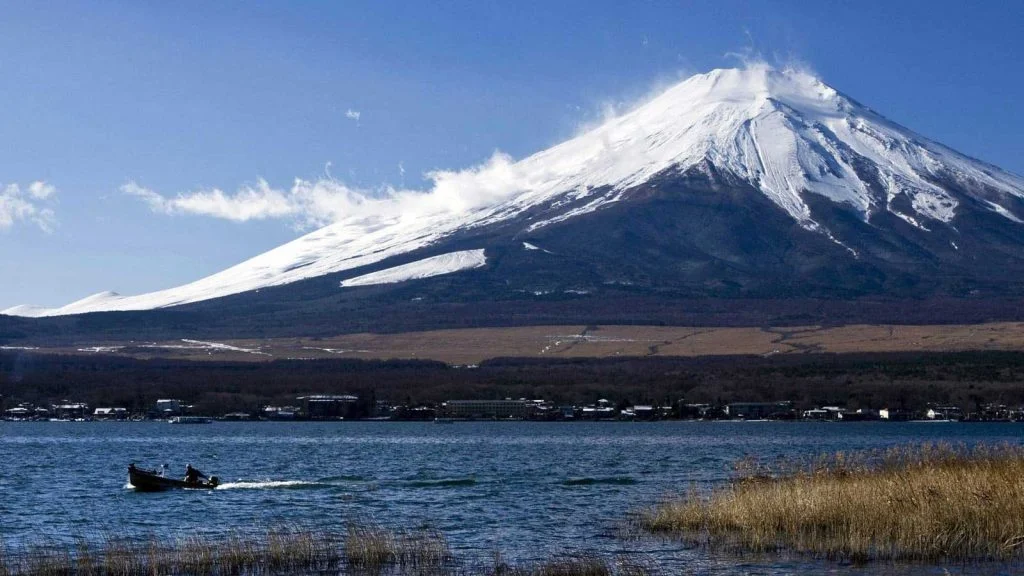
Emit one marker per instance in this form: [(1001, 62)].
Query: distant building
[(18, 412), (759, 410), (280, 412), (328, 407), (413, 413), (945, 413), (823, 413), (489, 409), (699, 411), (383, 409), (603, 410), (70, 410), (893, 415), (640, 412), (238, 416), (169, 407), (110, 413), (861, 415)]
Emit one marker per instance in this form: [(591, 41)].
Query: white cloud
[(41, 190), (32, 204), (313, 203), (353, 114), (257, 202)]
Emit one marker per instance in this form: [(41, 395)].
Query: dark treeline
[(895, 380)]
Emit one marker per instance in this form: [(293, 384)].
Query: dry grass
[(363, 550), (926, 503), (370, 546), (473, 345), (277, 551), (574, 565)]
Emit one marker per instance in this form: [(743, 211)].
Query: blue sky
[(111, 103)]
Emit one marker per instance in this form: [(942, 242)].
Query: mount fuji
[(754, 184)]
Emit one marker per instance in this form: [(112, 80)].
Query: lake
[(526, 489)]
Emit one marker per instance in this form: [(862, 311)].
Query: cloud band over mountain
[(315, 203)]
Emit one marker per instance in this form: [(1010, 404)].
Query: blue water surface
[(527, 490)]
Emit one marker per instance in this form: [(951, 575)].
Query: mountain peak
[(755, 83), (783, 132)]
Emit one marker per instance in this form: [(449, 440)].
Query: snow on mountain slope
[(783, 131), (426, 268)]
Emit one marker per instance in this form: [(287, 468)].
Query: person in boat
[(192, 475)]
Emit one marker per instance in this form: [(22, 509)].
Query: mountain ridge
[(840, 172)]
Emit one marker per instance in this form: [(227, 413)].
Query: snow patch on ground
[(100, 349), (426, 268), (532, 247), (1003, 212), (336, 350), (218, 346)]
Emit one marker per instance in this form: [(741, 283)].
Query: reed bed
[(280, 551), (373, 547), (364, 550), (927, 503), (575, 565)]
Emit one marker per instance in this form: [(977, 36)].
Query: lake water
[(528, 490)]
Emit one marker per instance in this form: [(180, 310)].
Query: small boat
[(153, 481)]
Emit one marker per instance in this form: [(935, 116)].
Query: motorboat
[(155, 481)]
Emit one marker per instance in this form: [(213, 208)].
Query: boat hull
[(150, 481)]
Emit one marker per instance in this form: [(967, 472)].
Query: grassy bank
[(361, 550), (930, 503)]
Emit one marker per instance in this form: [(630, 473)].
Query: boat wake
[(271, 485)]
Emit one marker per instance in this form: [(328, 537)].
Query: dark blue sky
[(182, 96)]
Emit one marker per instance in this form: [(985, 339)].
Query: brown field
[(471, 346)]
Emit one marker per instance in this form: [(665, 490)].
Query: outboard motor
[(214, 481)]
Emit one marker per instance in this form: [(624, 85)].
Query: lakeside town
[(331, 407)]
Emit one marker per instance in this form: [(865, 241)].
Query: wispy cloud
[(33, 204), (353, 114), (312, 203), (257, 202)]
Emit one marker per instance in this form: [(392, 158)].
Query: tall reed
[(933, 502), (374, 546)]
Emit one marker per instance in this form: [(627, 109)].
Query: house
[(280, 412), (828, 413), (70, 410), (110, 413), (489, 409), (328, 406), (893, 415), (944, 413), (18, 413), (759, 410), (169, 407), (701, 411), (861, 415)]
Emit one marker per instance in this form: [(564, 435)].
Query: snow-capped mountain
[(742, 181)]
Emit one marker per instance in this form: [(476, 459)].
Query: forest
[(890, 380)]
